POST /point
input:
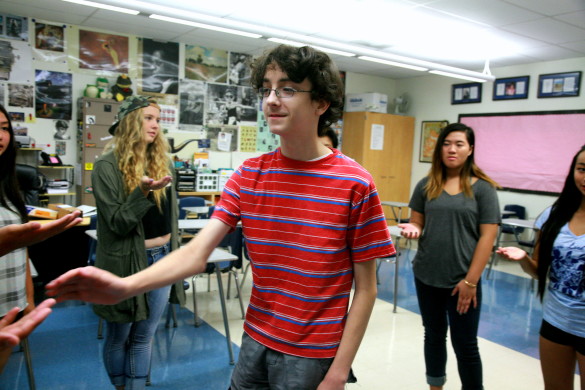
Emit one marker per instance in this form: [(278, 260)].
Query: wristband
[(469, 284)]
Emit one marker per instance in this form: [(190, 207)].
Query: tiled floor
[(67, 354)]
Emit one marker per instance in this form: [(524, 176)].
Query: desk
[(394, 232), (197, 209), (217, 256), (512, 223), (209, 197), (60, 253), (394, 206), (193, 223)]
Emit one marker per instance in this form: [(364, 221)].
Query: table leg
[(493, 258), (224, 313), (396, 275)]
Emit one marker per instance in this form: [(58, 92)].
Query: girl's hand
[(511, 253), (148, 184), (467, 296), (409, 230)]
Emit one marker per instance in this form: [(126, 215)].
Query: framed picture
[(466, 93), (428, 138), (559, 84), (511, 88)]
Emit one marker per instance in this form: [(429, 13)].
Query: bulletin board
[(527, 151)]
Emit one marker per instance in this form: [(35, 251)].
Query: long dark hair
[(9, 189), (438, 174), (561, 212)]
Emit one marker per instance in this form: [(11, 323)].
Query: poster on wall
[(222, 138), (53, 94), (159, 67), (21, 95), (14, 27), (248, 138), (49, 37), (191, 102), (265, 141), (49, 42), (16, 63), (206, 64), (102, 51), (240, 70)]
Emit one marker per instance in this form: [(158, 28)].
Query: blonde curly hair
[(137, 159)]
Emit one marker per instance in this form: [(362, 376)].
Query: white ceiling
[(450, 32)]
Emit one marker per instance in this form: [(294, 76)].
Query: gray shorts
[(262, 368)]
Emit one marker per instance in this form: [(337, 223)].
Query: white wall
[(430, 98)]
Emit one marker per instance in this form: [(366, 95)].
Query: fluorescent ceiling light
[(393, 63), (104, 6), (460, 76), (206, 26), (299, 44)]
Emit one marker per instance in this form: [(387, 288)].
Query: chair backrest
[(519, 212), (189, 201), (31, 183)]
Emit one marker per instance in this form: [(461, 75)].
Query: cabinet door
[(96, 136), (388, 158)]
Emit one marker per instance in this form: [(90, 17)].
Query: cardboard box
[(63, 209), (373, 102), (41, 212)]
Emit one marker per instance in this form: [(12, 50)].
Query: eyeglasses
[(283, 92)]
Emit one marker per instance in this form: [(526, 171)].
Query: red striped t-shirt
[(305, 223)]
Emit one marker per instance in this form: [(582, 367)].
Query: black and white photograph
[(21, 95), (61, 128), (240, 71), (159, 71), (191, 102), (223, 105)]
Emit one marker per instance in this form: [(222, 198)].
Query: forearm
[(189, 260), (481, 256), (483, 251), (355, 327), (529, 266)]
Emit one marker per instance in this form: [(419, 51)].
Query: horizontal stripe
[(304, 174), (298, 298), (302, 346), (304, 274), (281, 318), (289, 222), (303, 198), (297, 247)]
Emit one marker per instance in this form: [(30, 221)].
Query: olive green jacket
[(120, 249)]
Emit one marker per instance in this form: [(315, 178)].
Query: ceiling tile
[(548, 30)]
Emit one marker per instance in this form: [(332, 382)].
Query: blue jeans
[(127, 346), (262, 368), (439, 312)]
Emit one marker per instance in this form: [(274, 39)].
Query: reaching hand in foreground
[(409, 230), (21, 235), (89, 284), (12, 333)]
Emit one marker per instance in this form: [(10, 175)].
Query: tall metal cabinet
[(96, 117), (382, 143)]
